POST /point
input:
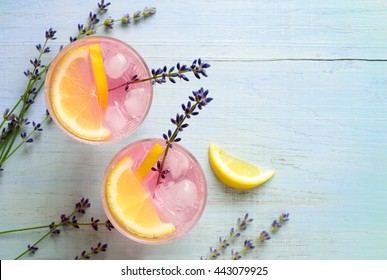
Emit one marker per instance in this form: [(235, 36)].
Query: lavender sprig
[(164, 74), (95, 21), (197, 101), (13, 122), (93, 251), (234, 233), (250, 244), (65, 221)]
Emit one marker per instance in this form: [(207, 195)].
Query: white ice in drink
[(178, 200), (177, 164), (135, 102), (115, 118), (116, 65)]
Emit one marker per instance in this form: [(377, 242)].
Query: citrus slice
[(130, 203), (149, 161), (235, 172), (99, 75), (74, 97)]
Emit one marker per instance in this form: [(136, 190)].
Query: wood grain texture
[(299, 86)]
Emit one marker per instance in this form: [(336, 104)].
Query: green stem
[(23, 229), (47, 226)]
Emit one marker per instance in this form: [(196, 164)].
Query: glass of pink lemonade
[(149, 210), (86, 91)]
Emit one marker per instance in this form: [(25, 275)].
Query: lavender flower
[(264, 236), (275, 225), (37, 126), (93, 251), (248, 245), (102, 7), (214, 253), (234, 233), (82, 205), (284, 217), (42, 50), (50, 34), (94, 223), (74, 222), (24, 137), (125, 19), (32, 249), (223, 243), (243, 223), (109, 22), (53, 228), (109, 225), (83, 256), (235, 255)]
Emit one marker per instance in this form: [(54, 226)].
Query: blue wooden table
[(298, 86)]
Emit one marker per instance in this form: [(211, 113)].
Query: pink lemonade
[(86, 92), (157, 213)]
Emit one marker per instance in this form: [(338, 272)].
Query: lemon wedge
[(150, 160), (235, 172), (99, 75)]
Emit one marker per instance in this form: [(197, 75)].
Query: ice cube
[(135, 102), (177, 164), (116, 65), (115, 118), (182, 194), (178, 201)]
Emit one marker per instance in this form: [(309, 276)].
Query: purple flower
[(64, 219), (94, 223), (234, 234), (235, 255), (223, 243), (248, 245), (74, 222), (82, 205), (32, 249), (214, 253), (53, 229), (102, 7), (126, 19), (275, 225), (109, 22), (242, 224), (264, 236), (50, 34), (109, 225), (284, 217)]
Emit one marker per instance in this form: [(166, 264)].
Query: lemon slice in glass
[(235, 172)]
